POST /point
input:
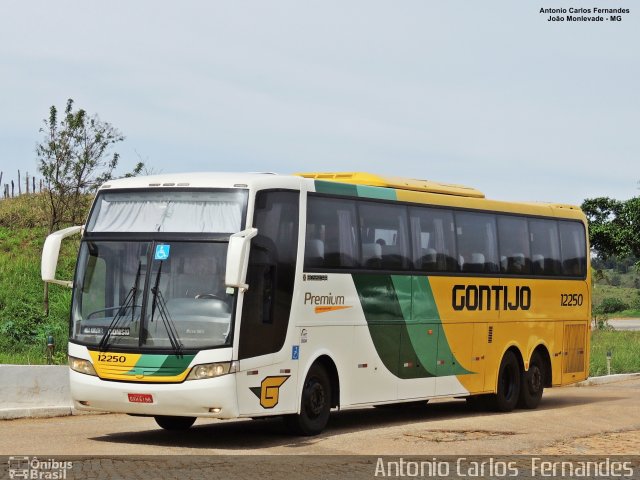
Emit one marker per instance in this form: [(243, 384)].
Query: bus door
[(267, 382)]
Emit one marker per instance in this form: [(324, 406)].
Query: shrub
[(611, 305), (25, 211), (635, 303), (601, 321)]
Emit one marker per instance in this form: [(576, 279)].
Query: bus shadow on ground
[(268, 432)]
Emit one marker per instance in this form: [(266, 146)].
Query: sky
[(487, 94)]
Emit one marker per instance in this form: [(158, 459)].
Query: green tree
[(614, 226), (75, 157)]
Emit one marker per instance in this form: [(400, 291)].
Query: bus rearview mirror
[(238, 258), (50, 253)]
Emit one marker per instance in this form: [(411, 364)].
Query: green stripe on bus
[(336, 188), (405, 325), (425, 317), (363, 191), (385, 302), (380, 193), (161, 365)]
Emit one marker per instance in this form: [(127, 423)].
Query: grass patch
[(34, 355), (25, 211), (625, 352), (23, 325), (627, 294)]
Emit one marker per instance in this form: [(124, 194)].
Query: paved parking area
[(569, 420)]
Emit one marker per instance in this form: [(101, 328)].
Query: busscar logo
[(309, 277), (269, 390)]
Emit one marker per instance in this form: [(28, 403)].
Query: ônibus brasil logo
[(33, 468)]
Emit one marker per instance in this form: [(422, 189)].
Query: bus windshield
[(165, 295), (151, 268)]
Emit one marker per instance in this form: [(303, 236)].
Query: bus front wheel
[(174, 423), (508, 391), (315, 404)]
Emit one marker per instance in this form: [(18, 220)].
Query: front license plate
[(140, 397)]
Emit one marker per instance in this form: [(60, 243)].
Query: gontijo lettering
[(485, 297)]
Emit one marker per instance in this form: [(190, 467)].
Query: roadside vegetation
[(75, 155), (624, 347), (616, 287), (24, 327)]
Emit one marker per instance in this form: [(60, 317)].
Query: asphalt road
[(625, 323), (567, 416)]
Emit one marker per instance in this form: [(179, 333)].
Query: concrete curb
[(34, 391), (618, 377), (35, 412)]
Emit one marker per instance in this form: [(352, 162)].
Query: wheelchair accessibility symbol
[(162, 252)]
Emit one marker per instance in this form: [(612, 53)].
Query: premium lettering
[(310, 299)]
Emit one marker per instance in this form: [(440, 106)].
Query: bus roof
[(413, 184), (206, 180), (406, 189), (429, 192)]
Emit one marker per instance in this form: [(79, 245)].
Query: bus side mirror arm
[(238, 258), (50, 253)]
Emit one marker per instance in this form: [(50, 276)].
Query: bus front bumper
[(214, 398)]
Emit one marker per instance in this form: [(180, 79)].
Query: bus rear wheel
[(508, 392), (174, 423), (532, 383), (315, 404)]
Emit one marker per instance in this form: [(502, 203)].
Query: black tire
[(509, 376), (174, 423), (532, 383), (315, 404)]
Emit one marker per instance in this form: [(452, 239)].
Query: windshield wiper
[(129, 302), (160, 303)]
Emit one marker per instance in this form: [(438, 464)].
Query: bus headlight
[(82, 366), (211, 370)]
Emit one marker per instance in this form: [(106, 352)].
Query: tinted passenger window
[(513, 236), (572, 241), (383, 235), (545, 247), (477, 245), (433, 240), (331, 233)]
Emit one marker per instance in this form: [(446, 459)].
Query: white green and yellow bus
[(246, 295)]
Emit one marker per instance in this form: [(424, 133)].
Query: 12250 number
[(112, 358), (571, 299)]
